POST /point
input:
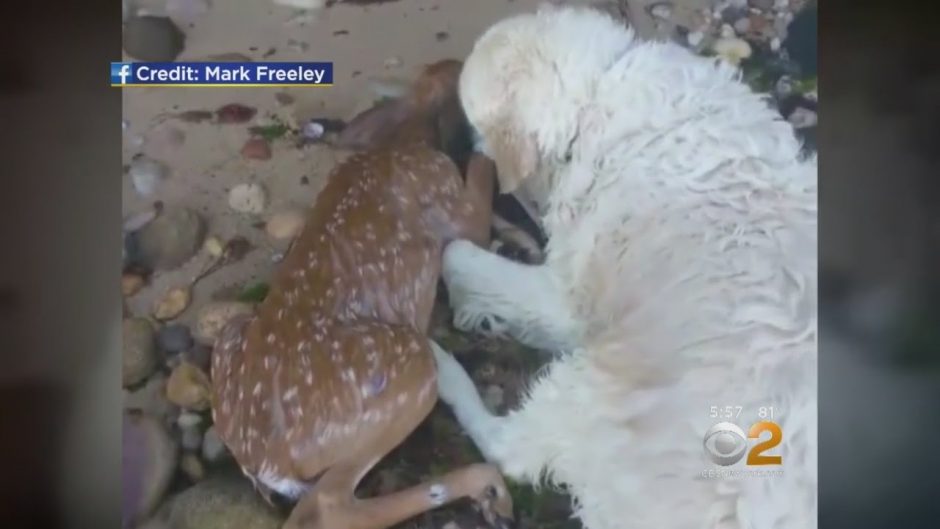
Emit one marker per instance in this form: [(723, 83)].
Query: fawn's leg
[(332, 504), (493, 295), (479, 183)]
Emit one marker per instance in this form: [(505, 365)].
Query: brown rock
[(171, 239), (234, 113), (256, 149), (140, 357), (188, 387), (172, 304), (286, 224), (131, 284)]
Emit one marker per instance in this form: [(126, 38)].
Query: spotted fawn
[(335, 369)]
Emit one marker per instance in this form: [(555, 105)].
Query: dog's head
[(525, 83)]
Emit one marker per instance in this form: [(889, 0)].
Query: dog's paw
[(468, 320)]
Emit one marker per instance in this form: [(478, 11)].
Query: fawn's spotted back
[(338, 349)]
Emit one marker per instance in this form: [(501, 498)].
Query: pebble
[(695, 38), (213, 316), (199, 355), (234, 113), (256, 149), (131, 284), (742, 25), (221, 502), (285, 224), (188, 387), (191, 439), (174, 338), (140, 359), (173, 303), (213, 449), (727, 31), (661, 10), (733, 50), (763, 5), (734, 13), (781, 25), (188, 420), (171, 239), (148, 457), (803, 118), (775, 43), (393, 62), (193, 467), (150, 398), (312, 130), (136, 221), (214, 247), (783, 87), (250, 199), (153, 38), (146, 174)]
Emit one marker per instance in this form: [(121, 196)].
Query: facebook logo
[(121, 73)]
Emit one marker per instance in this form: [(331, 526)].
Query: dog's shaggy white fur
[(680, 275)]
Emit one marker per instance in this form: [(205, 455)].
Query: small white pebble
[(727, 31), (695, 38), (188, 420), (313, 130), (146, 174), (775, 43), (250, 198), (662, 10), (732, 50)]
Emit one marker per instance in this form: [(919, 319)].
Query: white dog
[(679, 287)]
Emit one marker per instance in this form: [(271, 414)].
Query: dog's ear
[(515, 154)]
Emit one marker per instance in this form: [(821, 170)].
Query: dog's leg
[(493, 295), (515, 442)]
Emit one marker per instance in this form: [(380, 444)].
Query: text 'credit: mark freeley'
[(222, 74)]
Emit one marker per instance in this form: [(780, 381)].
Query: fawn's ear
[(375, 124)]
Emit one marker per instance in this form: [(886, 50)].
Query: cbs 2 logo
[(725, 443)]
